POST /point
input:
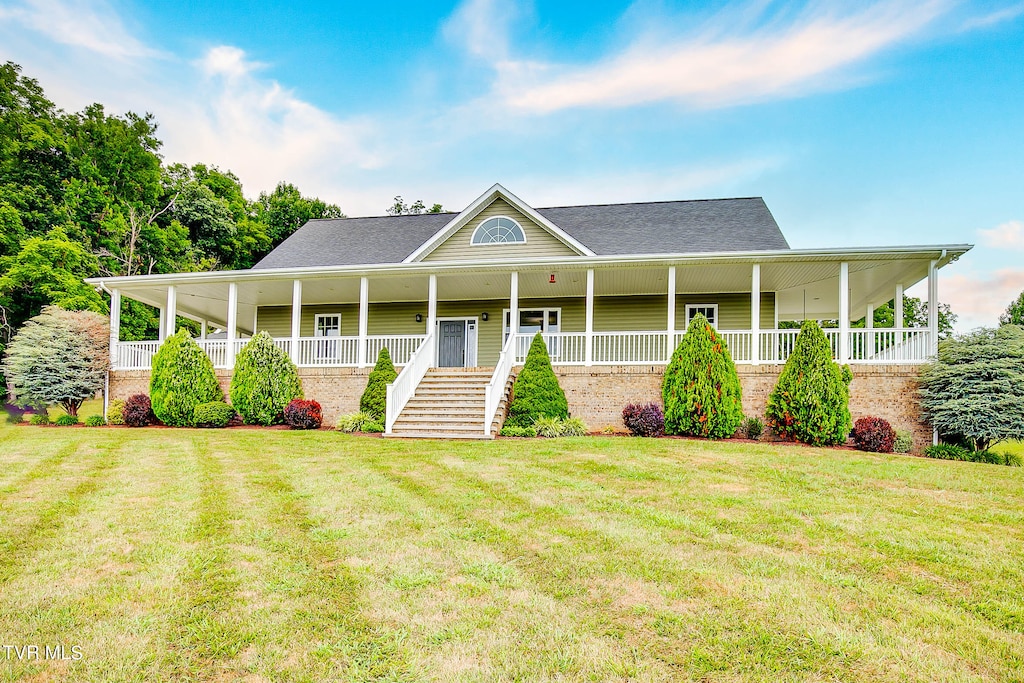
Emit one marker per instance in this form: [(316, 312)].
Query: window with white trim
[(709, 311), (498, 230), (535, 320), (327, 325)]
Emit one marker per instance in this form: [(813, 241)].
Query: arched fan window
[(499, 230)]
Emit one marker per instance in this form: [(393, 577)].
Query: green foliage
[(115, 412), (48, 271), (973, 389), (552, 427), (215, 414), (39, 419), (810, 401), (701, 389), (548, 426), (95, 421), (285, 210), (752, 428), (373, 427), (374, 398), (66, 420), (181, 379), (264, 381), (946, 451), (521, 432), (536, 393), (574, 426), (400, 208), (354, 422), (1014, 314), (58, 357), (904, 441)]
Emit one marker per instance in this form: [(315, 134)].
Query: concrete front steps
[(449, 404)]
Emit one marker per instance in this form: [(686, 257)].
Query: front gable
[(454, 242)]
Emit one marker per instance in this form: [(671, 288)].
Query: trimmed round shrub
[(644, 419), (521, 432), (810, 401), (701, 389), (95, 421), (373, 402), (353, 422), (39, 419), (264, 381), (115, 412), (536, 393), (215, 415), (874, 434), (904, 441), (752, 428), (138, 411), (66, 421), (300, 414), (182, 378)]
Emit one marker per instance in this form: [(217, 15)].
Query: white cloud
[(482, 26), (94, 26), (997, 17), (1008, 235), (979, 301), (227, 61)]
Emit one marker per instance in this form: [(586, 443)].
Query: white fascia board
[(471, 211), (944, 253)]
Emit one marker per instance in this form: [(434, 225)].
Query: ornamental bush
[(95, 421), (752, 428), (39, 419), (214, 415), (115, 412), (374, 399), (521, 432), (810, 401), (904, 442), (182, 378), (353, 422), (138, 411), (644, 419), (536, 393), (300, 414), (701, 389), (264, 381), (66, 421), (874, 434)]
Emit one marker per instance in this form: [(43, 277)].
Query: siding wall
[(611, 314), (539, 242)]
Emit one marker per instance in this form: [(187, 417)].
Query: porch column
[(933, 308), (844, 312), (229, 352), (897, 305), (364, 319), (755, 314), (671, 317), (115, 325), (202, 330), (432, 304), (513, 308), (588, 358), (162, 329), (869, 337), (296, 320), (172, 311)]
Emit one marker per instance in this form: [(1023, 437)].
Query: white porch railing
[(401, 390), (869, 346), (496, 387)]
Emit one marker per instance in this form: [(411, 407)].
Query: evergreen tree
[(810, 402), (1014, 314), (701, 389), (264, 380), (181, 379), (536, 392), (375, 396)]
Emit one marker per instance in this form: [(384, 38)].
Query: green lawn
[(255, 555)]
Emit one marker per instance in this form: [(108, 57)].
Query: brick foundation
[(598, 394)]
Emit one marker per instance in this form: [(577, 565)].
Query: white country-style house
[(609, 285)]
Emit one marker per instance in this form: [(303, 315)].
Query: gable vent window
[(499, 230)]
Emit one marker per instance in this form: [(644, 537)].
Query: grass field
[(254, 555)]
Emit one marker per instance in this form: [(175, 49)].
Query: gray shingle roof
[(680, 227)]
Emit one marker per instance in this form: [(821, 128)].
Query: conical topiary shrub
[(375, 396), (264, 381), (701, 389), (536, 392), (810, 402), (181, 379)]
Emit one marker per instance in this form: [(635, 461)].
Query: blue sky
[(872, 123)]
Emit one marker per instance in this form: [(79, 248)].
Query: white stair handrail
[(496, 387), (401, 390)]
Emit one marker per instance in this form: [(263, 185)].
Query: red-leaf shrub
[(300, 414), (138, 411), (644, 419), (874, 434)]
